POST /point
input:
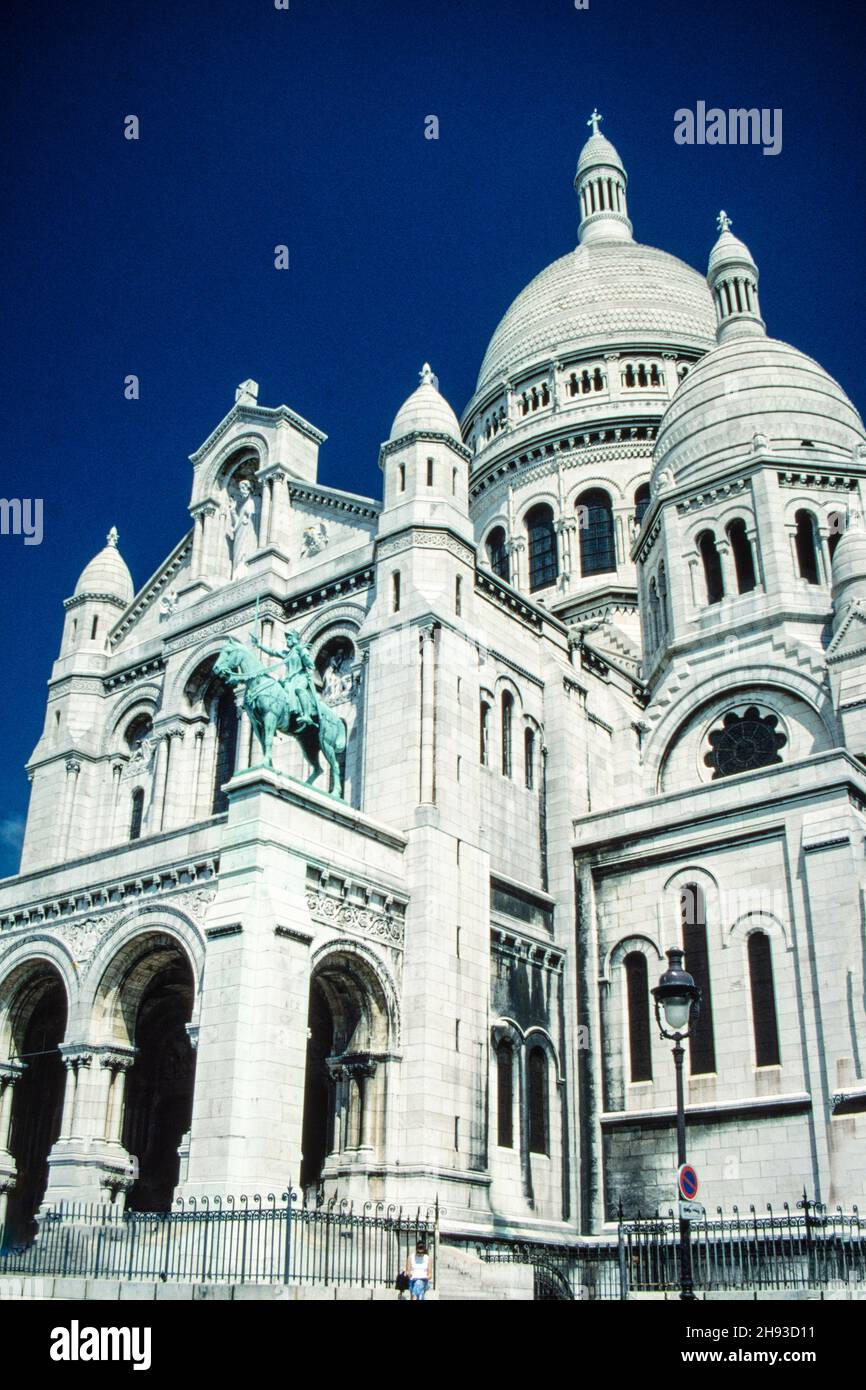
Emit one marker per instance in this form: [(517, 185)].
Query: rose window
[(744, 741)]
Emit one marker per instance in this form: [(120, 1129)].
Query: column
[(70, 787), (198, 810), (363, 1072), (75, 1060), (729, 578), (428, 686), (516, 547), (116, 1065), (116, 777), (154, 816)]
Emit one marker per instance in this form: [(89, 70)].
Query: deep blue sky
[(261, 126)]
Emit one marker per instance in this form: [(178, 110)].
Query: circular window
[(744, 740)]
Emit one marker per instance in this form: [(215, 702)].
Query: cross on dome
[(113, 537), (427, 375), (723, 221), (594, 120)]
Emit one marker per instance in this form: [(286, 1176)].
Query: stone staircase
[(462, 1276)]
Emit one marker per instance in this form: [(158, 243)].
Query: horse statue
[(274, 707)]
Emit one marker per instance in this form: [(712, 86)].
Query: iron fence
[(810, 1247), (245, 1240)]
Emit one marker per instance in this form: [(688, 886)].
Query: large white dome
[(749, 387), (615, 294)]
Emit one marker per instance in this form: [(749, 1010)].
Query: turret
[(600, 184), (104, 589), (733, 279), (425, 465)]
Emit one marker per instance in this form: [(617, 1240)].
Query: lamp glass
[(677, 1012)]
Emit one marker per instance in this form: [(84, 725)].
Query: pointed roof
[(425, 411), (107, 574)]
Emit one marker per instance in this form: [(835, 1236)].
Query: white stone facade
[(599, 655)]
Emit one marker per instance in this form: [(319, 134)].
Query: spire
[(733, 279), (600, 184)]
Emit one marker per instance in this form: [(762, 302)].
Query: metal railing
[(810, 1247), (217, 1241)]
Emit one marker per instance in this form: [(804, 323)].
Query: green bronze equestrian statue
[(288, 704)]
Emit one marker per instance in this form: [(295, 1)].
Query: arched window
[(637, 990), (395, 592), (641, 502), (507, 722), (744, 560), (543, 566), (693, 911), (227, 748), (538, 1101), (136, 814), (497, 553), (763, 1001), (806, 544), (529, 758), (458, 595), (663, 601), (712, 567), (429, 472), (401, 476), (94, 629), (484, 730), (137, 731), (505, 1095), (595, 522)]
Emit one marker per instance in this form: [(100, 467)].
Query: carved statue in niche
[(241, 525)]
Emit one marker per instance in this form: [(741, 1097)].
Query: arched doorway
[(156, 1000), (38, 1018), (317, 1138), (348, 1050)]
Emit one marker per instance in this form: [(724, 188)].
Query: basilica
[(593, 663)]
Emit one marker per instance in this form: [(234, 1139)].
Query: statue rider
[(298, 680)]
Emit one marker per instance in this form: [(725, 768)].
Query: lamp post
[(678, 998)]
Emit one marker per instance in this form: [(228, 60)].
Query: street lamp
[(678, 997)]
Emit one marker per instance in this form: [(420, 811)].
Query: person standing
[(418, 1272)]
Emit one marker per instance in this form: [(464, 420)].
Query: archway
[(348, 1050), (38, 1012), (157, 996), (317, 1137)]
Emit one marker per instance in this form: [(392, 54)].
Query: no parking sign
[(687, 1179)]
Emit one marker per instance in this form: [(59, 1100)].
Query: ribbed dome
[(106, 575), (599, 151), (425, 411), (748, 387), (607, 295)]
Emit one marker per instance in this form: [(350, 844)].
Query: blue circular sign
[(688, 1181)]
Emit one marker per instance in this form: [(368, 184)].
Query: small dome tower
[(600, 184), (426, 466), (104, 589), (733, 280)]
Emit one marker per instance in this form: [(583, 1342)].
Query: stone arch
[(751, 683), (143, 930), (372, 1018), (144, 1006), (624, 947), (751, 921), (34, 1021), (353, 1024), (251, 445), (144, 700)]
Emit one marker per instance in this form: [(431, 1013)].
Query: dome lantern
[(600, 184), (733, 280)]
